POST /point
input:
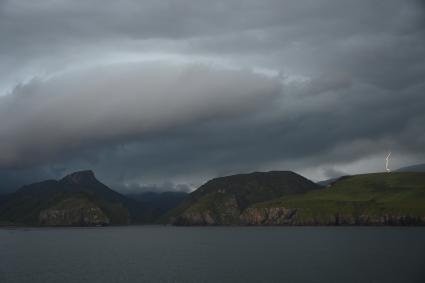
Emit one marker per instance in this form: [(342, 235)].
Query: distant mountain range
[(413, 168), (156, 204), (259, 198)]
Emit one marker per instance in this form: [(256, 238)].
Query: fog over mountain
[(168, 94)]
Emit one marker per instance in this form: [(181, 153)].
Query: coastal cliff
[(74, 211), (367, 199), (285, 216)]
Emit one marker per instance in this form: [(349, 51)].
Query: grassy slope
[(372, 194), (24, 207), (225, 197)]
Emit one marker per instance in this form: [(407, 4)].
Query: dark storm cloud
[(40, 120), (149, 93)]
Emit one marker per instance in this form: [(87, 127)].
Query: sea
[(212, 254)]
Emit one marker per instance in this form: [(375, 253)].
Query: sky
[(165, 95)]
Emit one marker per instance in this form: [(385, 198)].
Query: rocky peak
[(80, 177)]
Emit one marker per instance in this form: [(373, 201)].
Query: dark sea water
[(213, 254)]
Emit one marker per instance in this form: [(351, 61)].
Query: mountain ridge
[(27, 203), (258, 198), (220, 200), (80, 199), (412, 168), (396, 198)]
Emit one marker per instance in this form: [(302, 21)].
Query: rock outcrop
[(78, 199), (288, 216), (277, 216), (83, 216), (268, 216), (73, 211)]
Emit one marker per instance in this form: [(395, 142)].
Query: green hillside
[(221, 200), (285, 198), (259, 198), (79, 199), (24, 207), (358, 198)]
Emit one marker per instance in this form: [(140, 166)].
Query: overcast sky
[(160, 95)]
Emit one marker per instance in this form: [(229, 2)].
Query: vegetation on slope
[(221, 200), (24, 206), (368, 195)]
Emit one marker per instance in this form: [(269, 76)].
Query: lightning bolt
[(387, 159)]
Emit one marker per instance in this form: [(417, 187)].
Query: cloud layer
[(117, 103)]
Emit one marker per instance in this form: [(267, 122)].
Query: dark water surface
[(213, 254)]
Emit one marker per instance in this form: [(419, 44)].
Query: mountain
[(259, 198), (284, 198), (413, 168), (78, 199), (222, 200), (396, 198), (158, 203)]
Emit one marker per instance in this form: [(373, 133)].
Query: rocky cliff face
[(87, 216), (268, 216), (77, 199), (285, 216), (226, 212), (275, 216), (221, 201), (73, 211), (366, 199), (196, 218)]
